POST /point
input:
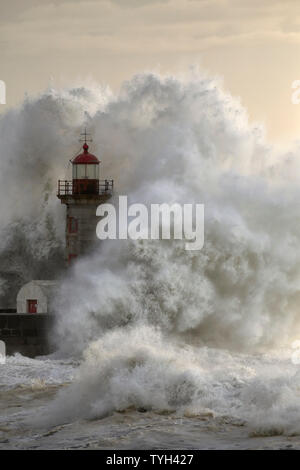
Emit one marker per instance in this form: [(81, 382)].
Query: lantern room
[(85, 172)]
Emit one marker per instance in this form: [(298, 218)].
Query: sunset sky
[(253, 45)]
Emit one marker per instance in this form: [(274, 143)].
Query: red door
[(32, 306)]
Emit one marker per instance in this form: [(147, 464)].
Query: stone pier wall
[(27, 334)]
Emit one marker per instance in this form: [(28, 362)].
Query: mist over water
[(159, 327)]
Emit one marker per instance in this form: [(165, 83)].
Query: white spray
[(153, 319)]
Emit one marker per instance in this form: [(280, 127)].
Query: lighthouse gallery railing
[(71, 187)]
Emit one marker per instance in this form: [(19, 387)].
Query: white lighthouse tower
[(82, 195)]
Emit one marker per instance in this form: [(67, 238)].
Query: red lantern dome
[(85, 157)]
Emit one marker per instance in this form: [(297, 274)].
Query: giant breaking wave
[(157, 326)]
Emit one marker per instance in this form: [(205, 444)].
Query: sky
[(252, 46)]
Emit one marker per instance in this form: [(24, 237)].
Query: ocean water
[(252, 404)]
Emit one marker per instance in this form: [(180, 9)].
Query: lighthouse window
[(80, 171), (73, 225), (91, 171), (86, 171), (74, 171)]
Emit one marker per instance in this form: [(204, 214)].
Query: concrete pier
[(26, 334)]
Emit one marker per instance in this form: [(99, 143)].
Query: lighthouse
[(82, 195)]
